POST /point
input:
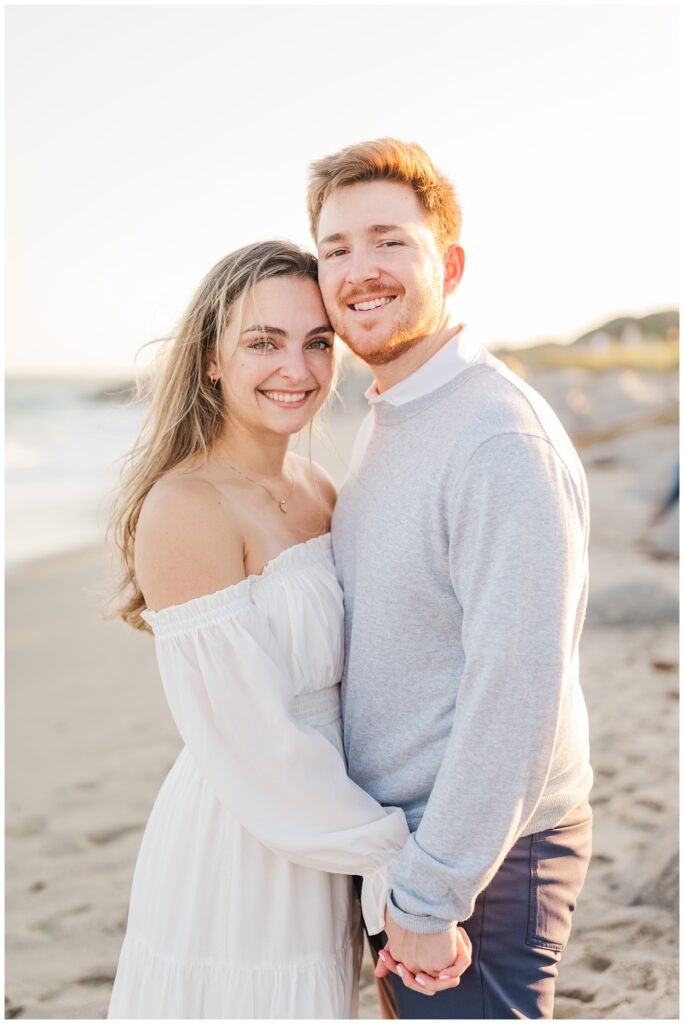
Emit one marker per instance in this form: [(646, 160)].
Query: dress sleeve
[(231, 699)]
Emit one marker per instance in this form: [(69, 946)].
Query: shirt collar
[(450, 360)]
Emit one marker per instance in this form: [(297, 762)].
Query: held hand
[(425, 963)]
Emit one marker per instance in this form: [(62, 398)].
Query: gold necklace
[(280, 502)]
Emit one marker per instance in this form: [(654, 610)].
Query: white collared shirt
[(450, 360)]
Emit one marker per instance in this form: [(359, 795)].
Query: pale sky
[(144, 143)]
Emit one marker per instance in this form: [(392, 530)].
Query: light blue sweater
[(461, 544)]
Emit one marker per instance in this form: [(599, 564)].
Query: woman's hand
[(425, 963)]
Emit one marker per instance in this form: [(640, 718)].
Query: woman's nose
[(294, 368)]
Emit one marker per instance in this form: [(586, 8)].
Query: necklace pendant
[(282, 505)]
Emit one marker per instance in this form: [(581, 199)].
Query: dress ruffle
[(159, 987), (201, 611)]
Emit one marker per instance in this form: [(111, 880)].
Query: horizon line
[(129, 373)]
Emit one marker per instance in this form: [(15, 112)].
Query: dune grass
[(653, 356)]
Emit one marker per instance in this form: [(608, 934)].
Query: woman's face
[(277, 357)]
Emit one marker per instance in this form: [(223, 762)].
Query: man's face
[(380, 270)]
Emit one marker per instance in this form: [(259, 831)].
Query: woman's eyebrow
[(281, 333), (265, 329)]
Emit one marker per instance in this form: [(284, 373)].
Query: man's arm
[(518, 538)]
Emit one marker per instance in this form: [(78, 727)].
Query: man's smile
[(367, 305)]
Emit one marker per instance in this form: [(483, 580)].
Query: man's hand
[(425, 963)]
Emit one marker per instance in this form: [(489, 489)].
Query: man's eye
[(320, 344), (390, 242), (261, 344), (336, 252)]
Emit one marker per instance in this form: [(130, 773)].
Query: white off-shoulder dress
[(242, 904)]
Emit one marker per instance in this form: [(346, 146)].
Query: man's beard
[(415, 326), (387, 351)]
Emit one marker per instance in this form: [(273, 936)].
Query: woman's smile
[(288, 399)]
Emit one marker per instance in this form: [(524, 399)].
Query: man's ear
[(454, 262)]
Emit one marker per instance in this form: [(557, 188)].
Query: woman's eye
[(262, 344), (390, 243), (320, 344)]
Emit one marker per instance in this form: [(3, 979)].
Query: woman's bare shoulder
[(187, 541)]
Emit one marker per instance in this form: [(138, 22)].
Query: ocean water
[(63, 443), (64, 440)]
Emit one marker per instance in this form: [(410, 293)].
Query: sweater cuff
[(419, 924)]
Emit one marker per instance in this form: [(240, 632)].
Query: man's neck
[(389, 374)]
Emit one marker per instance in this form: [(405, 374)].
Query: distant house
[(631, 333)]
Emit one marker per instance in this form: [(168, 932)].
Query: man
[(461, 543)]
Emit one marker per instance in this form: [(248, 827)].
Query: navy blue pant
[(519, 928)]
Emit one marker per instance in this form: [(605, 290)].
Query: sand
[(89, 739)]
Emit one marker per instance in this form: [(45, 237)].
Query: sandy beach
[(89, 736)]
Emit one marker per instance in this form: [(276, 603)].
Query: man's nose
[(362, 266)]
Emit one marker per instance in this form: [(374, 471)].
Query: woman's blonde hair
[(187, 411)]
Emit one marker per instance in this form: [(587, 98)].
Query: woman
[(241, 901)]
